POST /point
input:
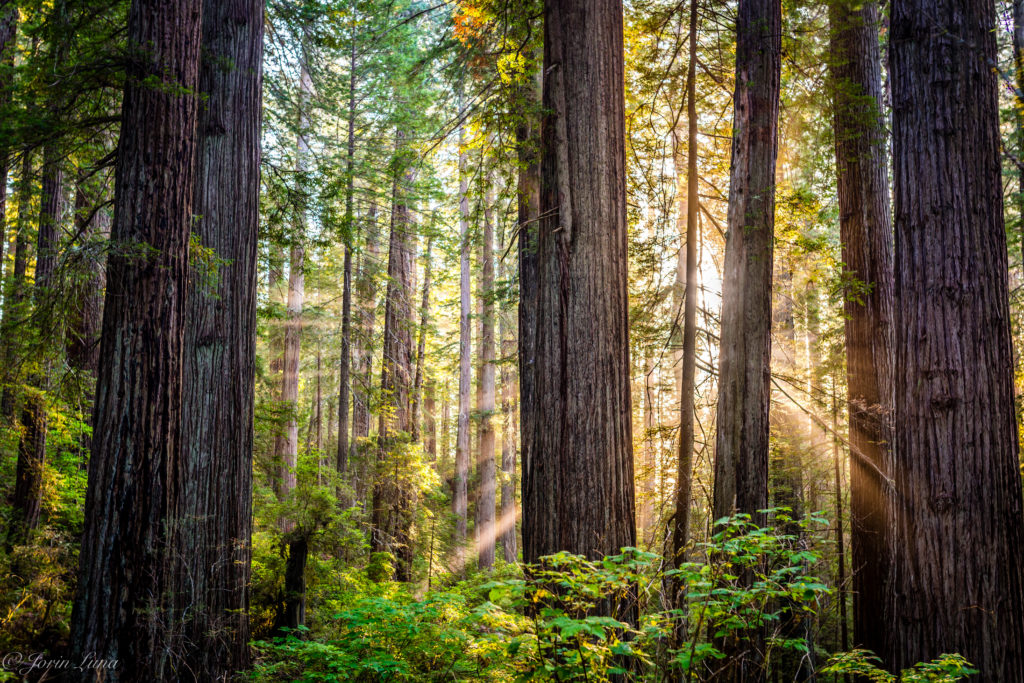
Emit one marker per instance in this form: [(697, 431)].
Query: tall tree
[(744, 390), (741, 443), (689, 359), (218, 368), (392, 494), (460, 495), (345, 364), (485, 457), (286, 447), (578, 464), (957, 524), (125, 570), (866, 235), (8, 41)]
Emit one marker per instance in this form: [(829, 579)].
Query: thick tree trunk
[(741, 445), (578, 467), (393, 490), (486, 534), (957, 525), (744, 389), (1018, 65), (866, 236), (460, 495), (218, 373), (125, 574)]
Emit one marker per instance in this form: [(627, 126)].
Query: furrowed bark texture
[(741, 444), (393, 491), (218, 375), (124, 574), (578, 467), (866, 235), (957, 531)]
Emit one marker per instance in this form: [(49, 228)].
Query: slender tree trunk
[(393, 491), (486, 533), (1018, 64), (421, 344), (92, 224), (345, 365), (293, 607), (15, 298), (460, 495), (841, 589), (866, 236), (8, 39), (957, 525), (218, 374), (686, 401), (507, 518), (578, 468), (125, 573), (362, 384)]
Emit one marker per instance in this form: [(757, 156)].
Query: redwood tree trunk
[(866, 235), (744, 388), (741, 444), (578, 464), (393, 488), (218, 374), (957, 526), (125, 571)]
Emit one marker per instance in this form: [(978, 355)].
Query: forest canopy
[(511, 340)]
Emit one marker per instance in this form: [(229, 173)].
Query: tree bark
[(686, 402), (526, 106), (578, 467), (957, 528), (92, 224), (8, 40), (393, 490), (744, 389), (741, 444), (362, 357), (218, 370), (507, 519), (17, 292), (421, 345), (125, 576), (345, 365), (866, 236), (460, 495), (486, 533)]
